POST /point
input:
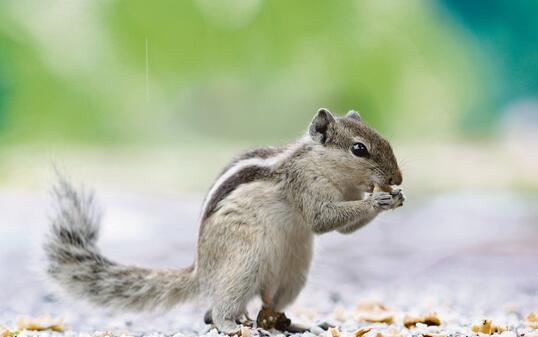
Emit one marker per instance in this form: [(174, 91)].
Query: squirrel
[(257, 225)]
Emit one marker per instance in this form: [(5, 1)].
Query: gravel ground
[(465, 256)]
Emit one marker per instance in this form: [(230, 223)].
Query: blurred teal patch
[(508, 32)]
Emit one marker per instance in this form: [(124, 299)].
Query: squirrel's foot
[(246, 322), (228, 327)]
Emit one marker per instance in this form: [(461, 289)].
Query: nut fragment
[(377, 317), (532, 320), (334, 332), (486, 326), (244, 332), (39, 324), (432, 334), (374, 333), (360, 332), (428, 319), (374, 311), (4, 332)]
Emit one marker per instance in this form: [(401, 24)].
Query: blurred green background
[(163, 93)]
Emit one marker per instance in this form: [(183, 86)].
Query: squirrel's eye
[(360, 150)]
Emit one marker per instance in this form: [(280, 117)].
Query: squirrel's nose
[(396, 179)]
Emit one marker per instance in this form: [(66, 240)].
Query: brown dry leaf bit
[(269, 319)]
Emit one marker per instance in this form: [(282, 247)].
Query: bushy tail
[(76, 264)]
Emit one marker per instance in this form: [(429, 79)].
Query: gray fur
[(257, 225), (76, 263), (243, 176)]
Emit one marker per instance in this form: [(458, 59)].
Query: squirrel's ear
[(320, 125), (354, 114)]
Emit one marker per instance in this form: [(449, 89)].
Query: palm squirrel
[(256, 227)]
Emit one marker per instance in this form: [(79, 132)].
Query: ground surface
[(467, 256)]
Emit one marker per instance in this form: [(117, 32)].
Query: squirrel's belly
[(284, 240), (274, 228), (255, 223)]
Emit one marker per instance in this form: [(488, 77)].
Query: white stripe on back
[(260, 162)]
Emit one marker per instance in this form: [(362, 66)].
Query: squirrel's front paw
[(388, 200), (398, 197)]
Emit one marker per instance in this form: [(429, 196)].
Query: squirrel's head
[(355, 149)]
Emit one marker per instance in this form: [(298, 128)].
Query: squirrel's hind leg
[(231, 297), (288, 291), (271, 315), (228, 311)]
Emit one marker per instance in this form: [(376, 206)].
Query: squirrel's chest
[(351, 192)]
